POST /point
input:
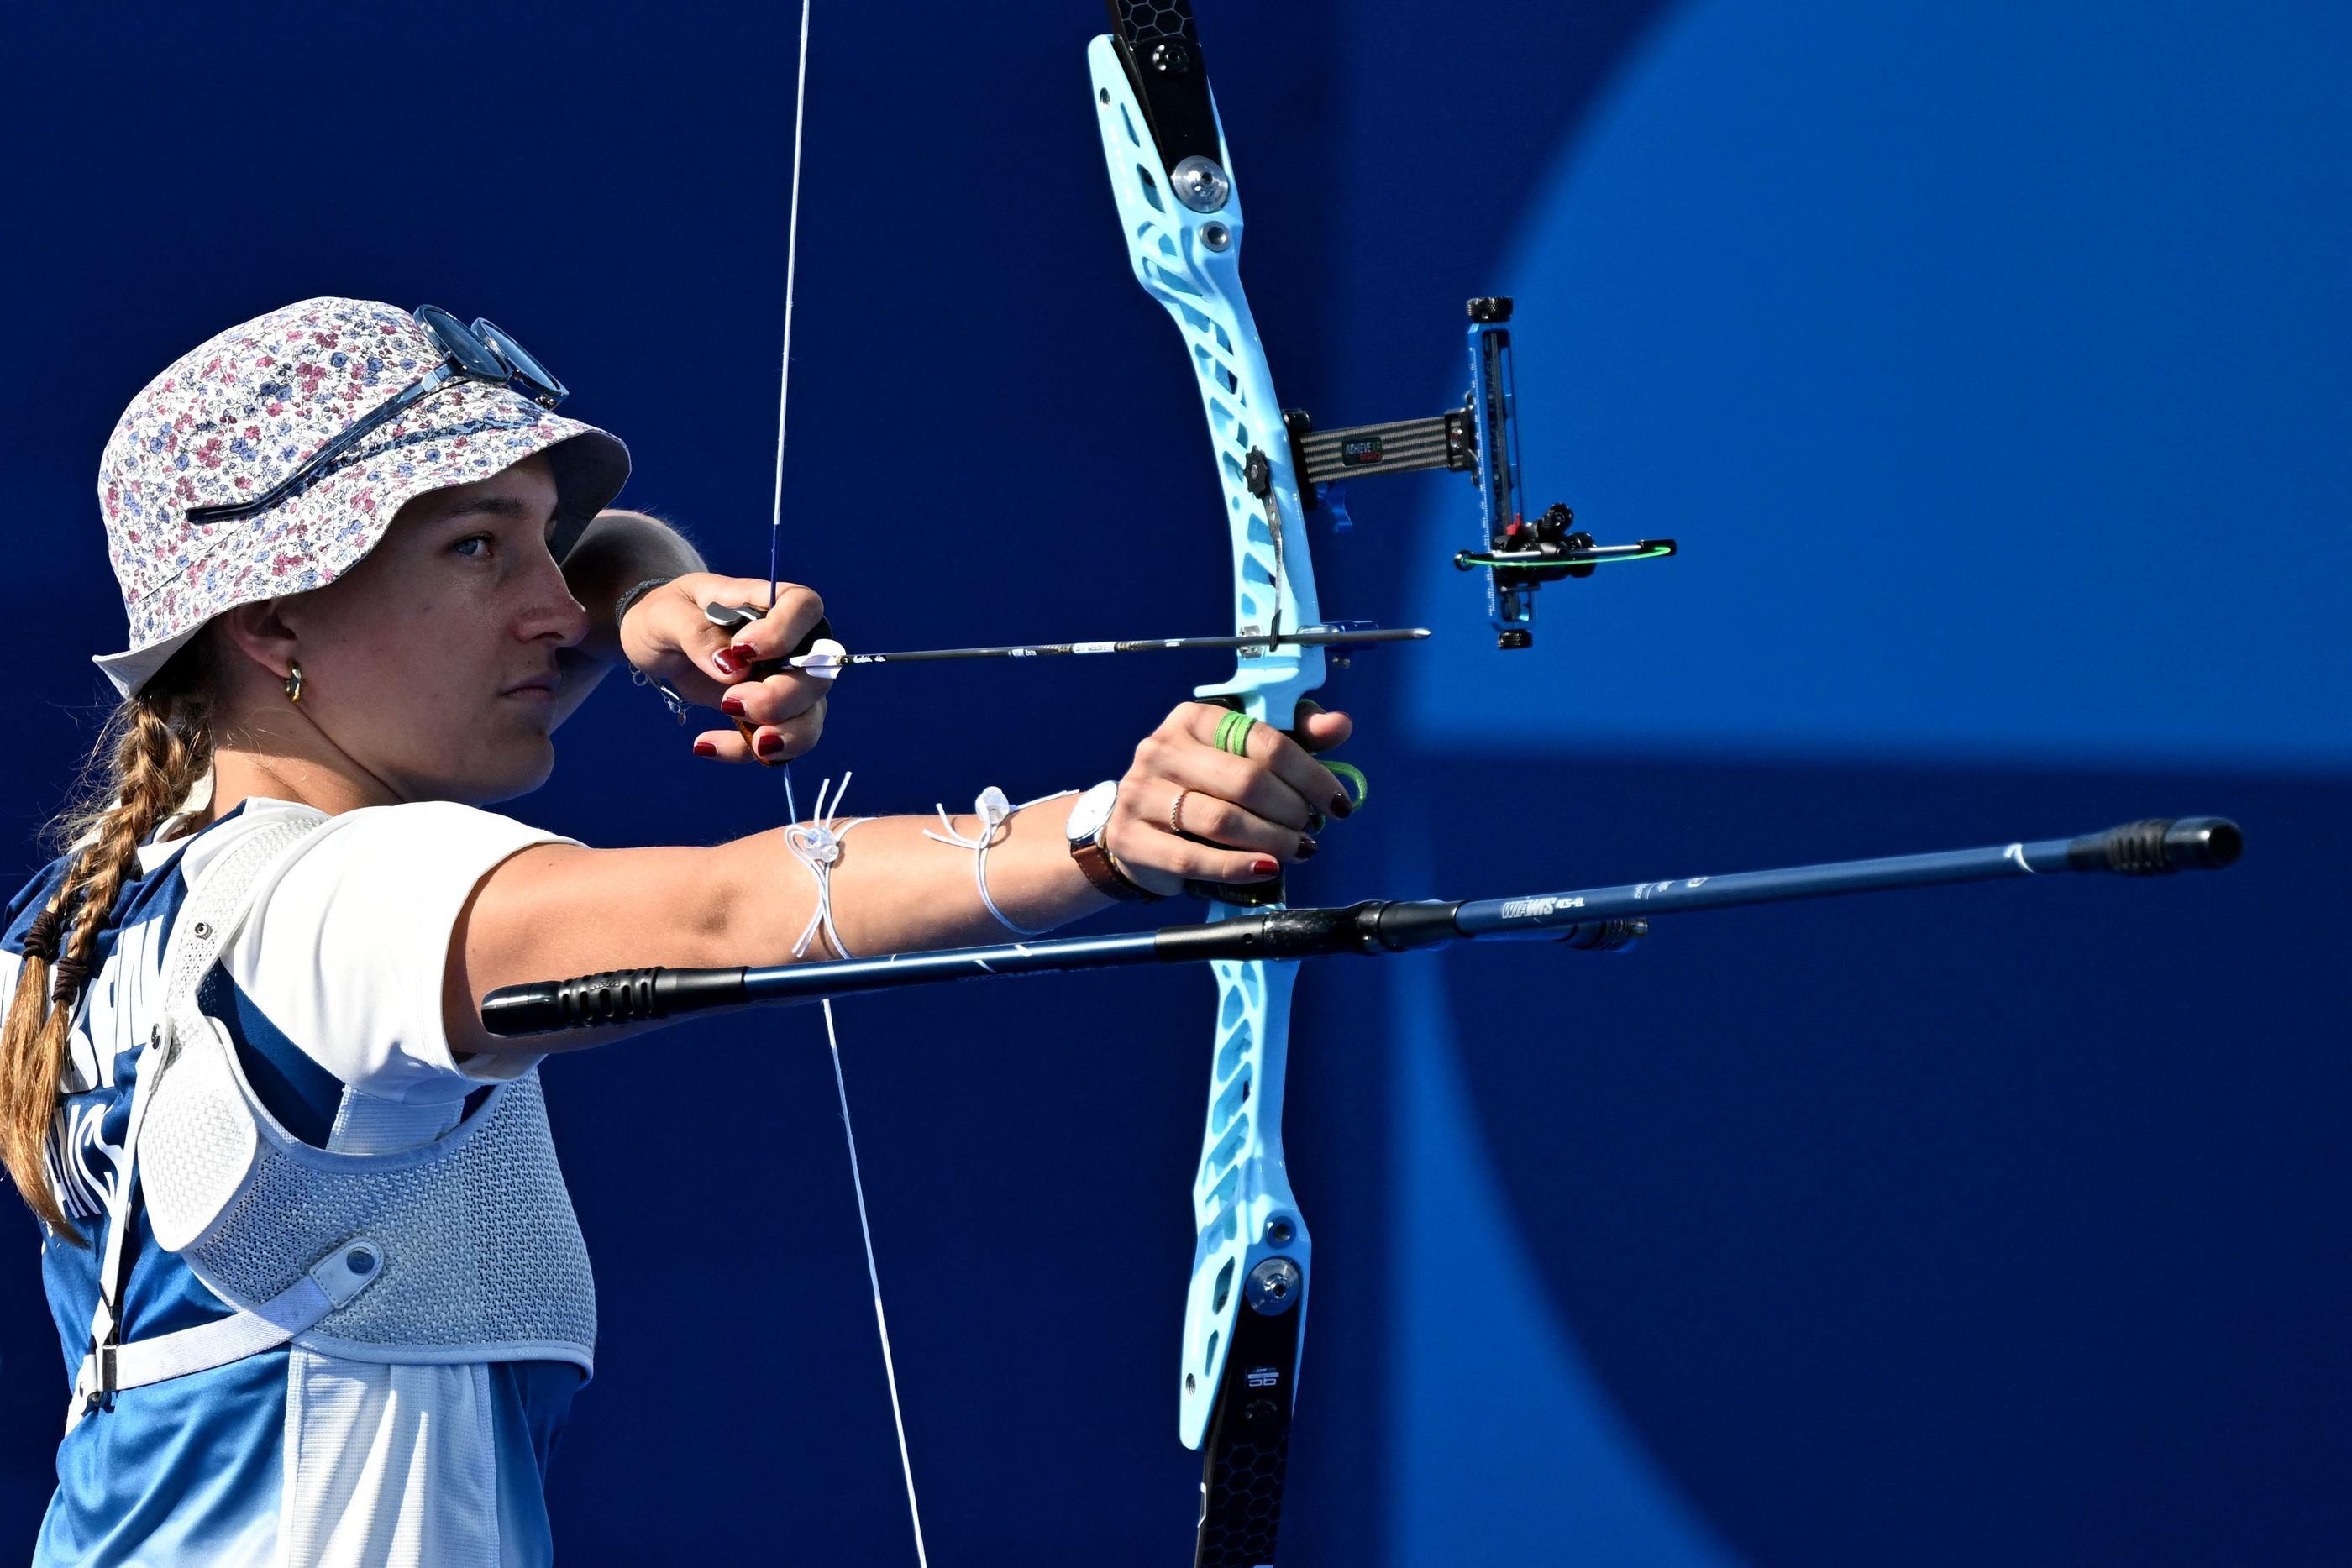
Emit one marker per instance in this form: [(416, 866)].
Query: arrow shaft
[(1127, 645)]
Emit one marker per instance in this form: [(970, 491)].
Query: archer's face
[(432, 662)]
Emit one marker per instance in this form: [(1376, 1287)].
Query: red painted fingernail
[(769, 745), (745, 655), (1264, 867), (731, 706), (725, 662), (1341, 806), (1306, 848), (706, 748)]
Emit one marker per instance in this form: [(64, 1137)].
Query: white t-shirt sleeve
[(347, 945)]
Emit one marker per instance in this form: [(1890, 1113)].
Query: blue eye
[(480, 540)]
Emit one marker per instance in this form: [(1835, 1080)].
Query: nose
[(552, 612)]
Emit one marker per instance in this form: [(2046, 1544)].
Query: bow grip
[(1245, 895)]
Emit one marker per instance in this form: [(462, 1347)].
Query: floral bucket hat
[(270, 459)]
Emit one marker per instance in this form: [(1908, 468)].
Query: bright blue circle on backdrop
[(1991, 363)]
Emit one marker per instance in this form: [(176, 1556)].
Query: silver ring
[(1176, 814)]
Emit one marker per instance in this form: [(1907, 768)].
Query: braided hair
[(156, 747)]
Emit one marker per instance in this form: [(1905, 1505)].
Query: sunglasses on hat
[(477, 354)]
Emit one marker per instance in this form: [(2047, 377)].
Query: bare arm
[(557, 911), (618, 551)]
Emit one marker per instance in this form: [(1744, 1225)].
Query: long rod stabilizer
[(1605, 918)]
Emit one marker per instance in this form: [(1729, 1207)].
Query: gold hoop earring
[(294, 685)]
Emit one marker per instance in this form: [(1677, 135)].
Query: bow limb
[(1244, 1317)]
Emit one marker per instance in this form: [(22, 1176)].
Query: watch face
[(1092, 811)]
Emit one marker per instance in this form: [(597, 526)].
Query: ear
[(261, 635)]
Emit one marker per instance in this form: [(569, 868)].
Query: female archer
[(322, 1293)]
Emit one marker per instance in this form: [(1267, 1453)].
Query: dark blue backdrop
[(1990, 369)]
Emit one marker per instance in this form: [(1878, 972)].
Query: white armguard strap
[(993, 808)]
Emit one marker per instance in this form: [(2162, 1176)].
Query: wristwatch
[(1088, 818)]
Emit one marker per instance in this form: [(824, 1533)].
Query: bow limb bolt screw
[(1273, 1286), (1200, 183)]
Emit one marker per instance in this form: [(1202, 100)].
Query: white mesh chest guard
[(463, 1248), (482, 1256)]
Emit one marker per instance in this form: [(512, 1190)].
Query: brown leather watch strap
[(1100, 870)]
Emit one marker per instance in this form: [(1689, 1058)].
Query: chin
[(522, 771)]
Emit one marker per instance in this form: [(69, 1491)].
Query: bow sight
[(1481, 439)]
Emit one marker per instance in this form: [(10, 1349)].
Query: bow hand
[(1194, 814)]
